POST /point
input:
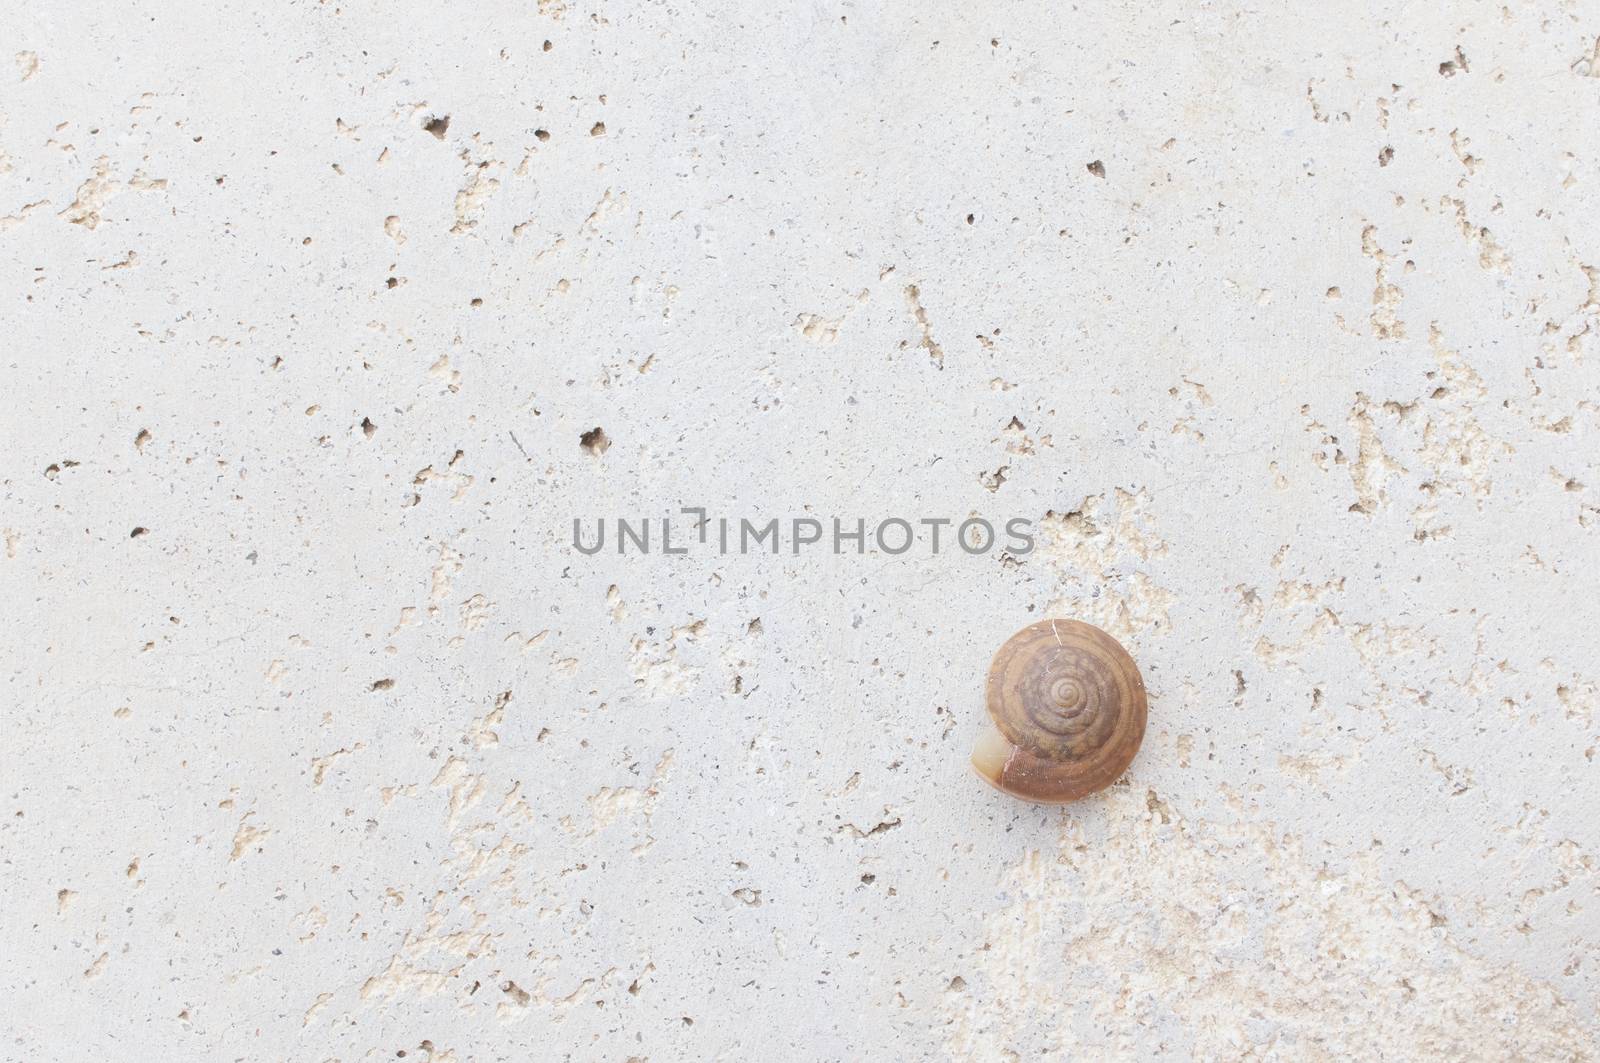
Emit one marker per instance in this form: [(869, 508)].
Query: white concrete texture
[(321, 742)]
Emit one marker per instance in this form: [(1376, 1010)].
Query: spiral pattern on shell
[(1070, 706)]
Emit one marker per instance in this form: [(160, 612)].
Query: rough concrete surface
[(1281, 323)]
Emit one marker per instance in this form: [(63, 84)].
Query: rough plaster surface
[(321, 741)]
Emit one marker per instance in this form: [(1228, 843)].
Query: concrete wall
[(1280, 324)]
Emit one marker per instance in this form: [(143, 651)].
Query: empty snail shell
[(1068, 709)]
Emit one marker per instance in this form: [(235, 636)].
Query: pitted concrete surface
[(1280, 325)]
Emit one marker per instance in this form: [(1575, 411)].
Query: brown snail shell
[(1068, 709)]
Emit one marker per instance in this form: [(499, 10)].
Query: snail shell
[(1068, 708)]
